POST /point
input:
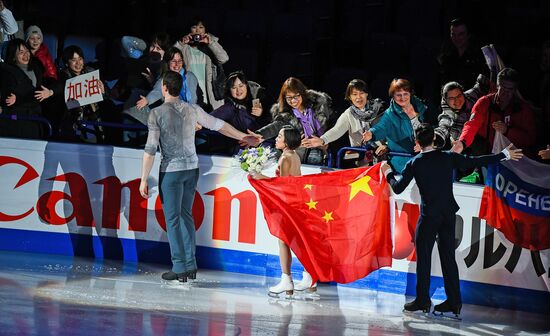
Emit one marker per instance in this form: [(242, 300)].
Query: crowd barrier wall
[(83, 200)]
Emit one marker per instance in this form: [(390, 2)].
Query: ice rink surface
[(59, 295)]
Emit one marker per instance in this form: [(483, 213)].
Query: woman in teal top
[(398, 122)]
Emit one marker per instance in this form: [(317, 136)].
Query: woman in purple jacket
[(242, 109)]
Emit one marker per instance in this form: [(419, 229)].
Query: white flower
[(254, 159)]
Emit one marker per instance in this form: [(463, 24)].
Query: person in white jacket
[(8, 27), (202, 55), (355, 120)]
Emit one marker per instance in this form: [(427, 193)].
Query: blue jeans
[(177, 192)]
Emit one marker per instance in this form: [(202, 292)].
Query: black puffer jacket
[(319, 102)]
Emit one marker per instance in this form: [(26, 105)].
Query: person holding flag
[(336, 223), (289, 165), (432, 170)]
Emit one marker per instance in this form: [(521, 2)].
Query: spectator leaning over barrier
[(398, 122), (172, 61), (355, 120), (456, 106), (243, 109), (504, 112), (141, 67), (306, 110)]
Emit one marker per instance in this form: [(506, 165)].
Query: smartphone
[(256, 102)]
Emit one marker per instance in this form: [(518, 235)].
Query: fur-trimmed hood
[(319, 102)]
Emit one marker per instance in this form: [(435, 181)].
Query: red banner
[(337, 223)]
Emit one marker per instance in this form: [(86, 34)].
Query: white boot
[(286, 285), (306, 283)]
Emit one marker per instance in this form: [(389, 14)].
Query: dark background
[(324, 43)]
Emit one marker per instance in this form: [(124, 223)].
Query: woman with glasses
[(405, 113), (243, 110), (22, 91), (456, 106), (172, 61), (306, 110), (359, 117)]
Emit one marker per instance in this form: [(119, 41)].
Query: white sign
[(83, 90)]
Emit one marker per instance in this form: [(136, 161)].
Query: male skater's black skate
[(448, 310), (415, 305)]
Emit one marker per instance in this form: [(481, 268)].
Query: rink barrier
[(232, 234)]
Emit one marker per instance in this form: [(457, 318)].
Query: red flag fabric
[(516, 200), (336, 223)]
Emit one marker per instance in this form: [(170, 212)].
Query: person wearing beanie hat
[(35, 39), (32, 30)]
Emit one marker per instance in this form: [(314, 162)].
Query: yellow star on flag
[(328, 216), (308, 186), (312, 204), (361, 184)]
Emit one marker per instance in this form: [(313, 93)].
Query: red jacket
[(519, 118), (43, 55)]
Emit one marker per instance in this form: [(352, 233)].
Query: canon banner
[(52, 190)]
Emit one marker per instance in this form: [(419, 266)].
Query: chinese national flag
[(336, 223)]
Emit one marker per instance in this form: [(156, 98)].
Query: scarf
[(185, 93), (365, 117), (28, 73), (309, 123)]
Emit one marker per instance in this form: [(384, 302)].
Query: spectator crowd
[(478, 96)]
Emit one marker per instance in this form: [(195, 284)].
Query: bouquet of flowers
[(255, 159)]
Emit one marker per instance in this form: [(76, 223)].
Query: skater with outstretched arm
[(432, 170), (172, 127)]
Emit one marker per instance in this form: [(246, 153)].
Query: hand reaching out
[(251, 140), (545, 153), (142, 102), (148, 75), (312, 141), (10, 100), (515, 154), (381, 150), (367, 136), (458, 146), (385, 167)]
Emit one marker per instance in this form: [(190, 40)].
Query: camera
[(196, 37)]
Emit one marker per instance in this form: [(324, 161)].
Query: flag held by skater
[(337, 223)]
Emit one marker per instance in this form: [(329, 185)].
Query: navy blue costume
[(433, 173)]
